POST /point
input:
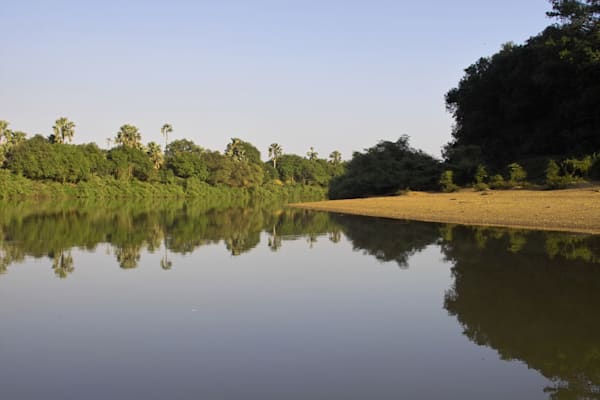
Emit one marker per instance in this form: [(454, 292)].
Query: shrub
[(516, 174), (480, 177), (480, 174), (447, 183), (480, 187), (498, 182), (595, 168), (574, 167), (553, 178)]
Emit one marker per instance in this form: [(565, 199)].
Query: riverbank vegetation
[(49, 166), (525, 117), (528, 116)]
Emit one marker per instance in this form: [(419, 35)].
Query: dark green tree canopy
[(38, 158), (385, 169), (130, 162), (539, 99), (182, 146), (184, 158), (243, 151), (578, 13)]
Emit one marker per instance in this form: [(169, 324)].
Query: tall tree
[(4, 132), (185, 159), (537, 100), (581, 14), (385, 169), (335, 157), (16, 137), (312, 154), (165, 130), (275, 151), (129, 136), (156, 155), (8, 139), (5, 135), (235, 150), (63, 130)]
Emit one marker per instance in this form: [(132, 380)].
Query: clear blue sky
[(331, 74)]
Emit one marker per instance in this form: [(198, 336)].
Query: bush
[(498, 182), (576, 168), (480, 177), (480, 174), (480, 187), (595, 168), (553, 178), (447, 183), (516, 174)]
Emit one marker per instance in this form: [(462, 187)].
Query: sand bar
[(572, 210)]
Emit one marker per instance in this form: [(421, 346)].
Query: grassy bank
[(14, 187), (573, 210)]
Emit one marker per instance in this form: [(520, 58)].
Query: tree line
[(53, 158), (527, 115), (533, 103)]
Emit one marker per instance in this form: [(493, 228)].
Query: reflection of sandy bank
[(575, 210)]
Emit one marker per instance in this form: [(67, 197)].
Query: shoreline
[(568, 210)]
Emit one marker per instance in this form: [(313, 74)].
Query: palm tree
[(235, 150), (129, 136), (165, 130), (335, 157), (8, 139), (5, 133), (155, 154), (275, 151), (312, 154), (63, 130), (17, 137)]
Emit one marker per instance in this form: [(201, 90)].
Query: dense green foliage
[(385, 169), (536, 100), (134, 169)]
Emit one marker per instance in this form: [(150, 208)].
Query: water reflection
[(386, 239), (531, 296), (52, 230)]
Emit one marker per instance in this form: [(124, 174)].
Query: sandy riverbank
[(574, 210)]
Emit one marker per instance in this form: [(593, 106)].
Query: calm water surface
[(184, 301)]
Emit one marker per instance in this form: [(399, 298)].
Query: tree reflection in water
[(531, 296), (51, 230)]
